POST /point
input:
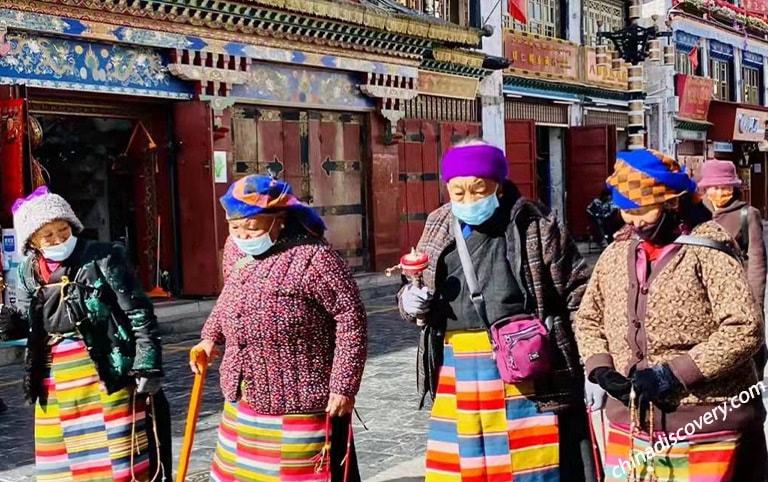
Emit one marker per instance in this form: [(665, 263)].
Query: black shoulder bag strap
[(476, 296), (744, 230), (707, 243)]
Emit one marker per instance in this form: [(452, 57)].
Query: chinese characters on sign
[(695, 94), (548, 57), (603, 75)]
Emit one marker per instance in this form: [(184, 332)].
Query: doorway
[(543, 178), (87, 161)]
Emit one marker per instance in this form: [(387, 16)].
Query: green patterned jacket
[(104, 305)]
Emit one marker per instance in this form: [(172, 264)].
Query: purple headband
[(485, 161), (39, 192)]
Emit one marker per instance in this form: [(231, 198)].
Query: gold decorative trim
[(103, 23), (447, 85), (208, 74), (375, 18), (460, 57)]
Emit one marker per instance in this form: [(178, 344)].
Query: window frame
[(551, 27), (717, 70), (756, 87)]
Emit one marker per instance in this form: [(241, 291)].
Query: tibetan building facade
[(565, 115), (720, 108), (142, 113)]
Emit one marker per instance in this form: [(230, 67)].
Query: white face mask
[(60, 252)]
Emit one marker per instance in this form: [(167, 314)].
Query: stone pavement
[(387, 404)]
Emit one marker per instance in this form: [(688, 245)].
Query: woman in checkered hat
[(675, 349)]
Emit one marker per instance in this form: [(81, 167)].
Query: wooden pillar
[(384, 225), (12, 138)]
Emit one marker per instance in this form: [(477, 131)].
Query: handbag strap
[(475, 295)]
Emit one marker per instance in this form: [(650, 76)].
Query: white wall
[(556, 168), (491, 87)]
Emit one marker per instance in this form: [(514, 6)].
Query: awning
[(540, 93)]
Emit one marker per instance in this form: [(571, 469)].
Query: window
[(543, 18), (720, 71), (683, 64), (752, 85), (602, 16)]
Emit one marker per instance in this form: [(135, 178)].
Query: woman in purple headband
[(501, 268)]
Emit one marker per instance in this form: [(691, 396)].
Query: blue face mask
[(476, 213), (60, 252), (255, 246)]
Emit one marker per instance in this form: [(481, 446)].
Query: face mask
[(476, 213), (661, 232), (255, 246), (60, 252), (720, 200)]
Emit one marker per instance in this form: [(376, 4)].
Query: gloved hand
[(415, 301), (656, 384), (594, 396), (149, 386), (617, 385)]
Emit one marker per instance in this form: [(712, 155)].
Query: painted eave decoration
[(370, 14), (579, 89), (66, 64), (455, 61)]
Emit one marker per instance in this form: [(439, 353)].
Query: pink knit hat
[(718, 173)]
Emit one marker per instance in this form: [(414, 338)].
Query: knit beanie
[(482, 160), (38, 209)]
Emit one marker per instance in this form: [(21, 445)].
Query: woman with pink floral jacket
[(295, 335)]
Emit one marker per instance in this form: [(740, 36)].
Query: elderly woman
[(675, 348), (93, 352), (295, 336), (526, 268)]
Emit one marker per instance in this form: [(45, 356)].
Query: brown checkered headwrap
[(645, 177)]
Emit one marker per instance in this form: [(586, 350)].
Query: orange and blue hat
[(258, 194), (646, 177)]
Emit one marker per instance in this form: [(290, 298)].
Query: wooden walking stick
[(200, 359)]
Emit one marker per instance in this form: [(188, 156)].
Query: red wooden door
[(590, 155), (421, 188), (320, 155), (197, 203), (520, 143)]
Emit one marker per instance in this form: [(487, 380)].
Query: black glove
[(656, 384), (617, 385)]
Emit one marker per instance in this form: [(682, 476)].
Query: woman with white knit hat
[(93, 360)]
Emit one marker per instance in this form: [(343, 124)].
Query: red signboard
[(695, 94), (759, 7)]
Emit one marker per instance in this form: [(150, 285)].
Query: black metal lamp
[(635, 44)]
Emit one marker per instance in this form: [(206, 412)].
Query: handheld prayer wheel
[(412, 265)]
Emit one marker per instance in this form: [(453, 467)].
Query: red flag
[(694, 57), (517, 10)]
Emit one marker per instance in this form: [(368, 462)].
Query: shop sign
[(603, 75), (749, 125), (695, 94), (759, 7), (686, 135), (541, 56), (722, 146)]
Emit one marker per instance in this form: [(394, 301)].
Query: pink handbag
[(521, 348), (521, 345)]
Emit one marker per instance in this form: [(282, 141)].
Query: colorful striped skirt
[(83, 434), (482, 429), (265, 448), (704, 458)]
